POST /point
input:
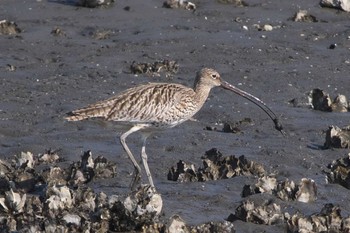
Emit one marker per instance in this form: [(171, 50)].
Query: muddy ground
[(55, 73)]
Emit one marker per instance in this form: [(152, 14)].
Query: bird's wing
[(147, 103)]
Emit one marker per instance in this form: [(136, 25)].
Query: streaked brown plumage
[(157, 106)]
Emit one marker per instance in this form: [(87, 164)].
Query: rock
[(225, 226), (235, 127), (9, 28), (95, 3), (339, 4), (177, 225), (320, 100), (339, 172), (54, 176), (87, 169), (49, 157), (215, 167), (266, 184), (104, 168), (304, 16), (58, 32), (140, 209), (307, 191), (337, 137), (286, 190), (25, 159), (183, 172), (72, 219), (266, 213), (5, 168), (179, 4), (340, 104), (13, 202), (328, 220), (85, 199), (146, 201), (267, 28), (154, 69), (237, 3), (59, 198)]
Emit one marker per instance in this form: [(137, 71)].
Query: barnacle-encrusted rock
[(59, 198), (340, 172), (54, 176), (13, 202), (340, 104), (183, 172), (237, 3), (154, 69), (84, 197), (307, 191), (320, 100), (266, 213), (24, 160), (339, 4), (304, 16), (72, 219), (95, 3), (5, 168), (85, 170), (49, 157), (337, 137), (286, 190), (179, 4), (215, 167), (328, 220), (177, 224), (9, 28), (141, 208), (104, 168), (146, 201), (224, 226)]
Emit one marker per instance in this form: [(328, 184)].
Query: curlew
[(157, 106)]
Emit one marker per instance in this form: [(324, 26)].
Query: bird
[(153, 107)]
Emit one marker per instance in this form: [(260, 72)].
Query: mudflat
[(67, 57)]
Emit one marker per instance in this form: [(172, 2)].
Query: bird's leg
[(144, 160), (137, 172)]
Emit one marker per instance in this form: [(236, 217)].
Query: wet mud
[(57, 56)]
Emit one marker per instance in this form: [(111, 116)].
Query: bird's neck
[(202, 92)]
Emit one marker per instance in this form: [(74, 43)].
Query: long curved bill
[(256, 101)]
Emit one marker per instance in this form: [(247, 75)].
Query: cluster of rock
[(320, 100), (259, 206), (36, 195), (174, 4), (215, 167), (154, 69), (265, 212), (231, 127), (38, 198), (305, 191)]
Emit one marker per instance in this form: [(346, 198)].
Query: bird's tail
[(85, 113)]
